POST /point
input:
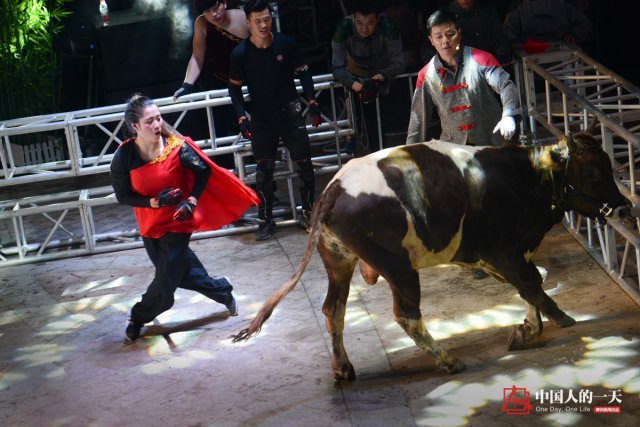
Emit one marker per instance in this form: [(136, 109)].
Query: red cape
[(224, 199)]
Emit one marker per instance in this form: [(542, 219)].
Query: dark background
[(137, 51)]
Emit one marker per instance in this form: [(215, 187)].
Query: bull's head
[(589, 186)]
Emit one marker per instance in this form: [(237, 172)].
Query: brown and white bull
[(416, 206)]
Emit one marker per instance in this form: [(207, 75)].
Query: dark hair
[(256, 6), (440, 17), (202, 5), (367, 7), (133, 112)]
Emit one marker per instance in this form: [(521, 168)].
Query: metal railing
[(564, 90), (64, 224), (55, 225), (109, 121)]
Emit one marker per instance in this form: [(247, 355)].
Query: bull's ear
[(592, 126), (585, 141)]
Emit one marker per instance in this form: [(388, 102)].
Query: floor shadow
[(169, 328)]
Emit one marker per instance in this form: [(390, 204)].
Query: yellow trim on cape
[(172, 142)]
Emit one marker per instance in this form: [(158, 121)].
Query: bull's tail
[(320, 210)]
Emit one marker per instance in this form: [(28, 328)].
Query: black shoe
[(224, 281), (479, 274), (133, 331), (232, 306), (304, 221), (266, 230)]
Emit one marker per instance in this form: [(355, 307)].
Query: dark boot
[(266, 229)]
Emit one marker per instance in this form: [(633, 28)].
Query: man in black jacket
[(268, 64)]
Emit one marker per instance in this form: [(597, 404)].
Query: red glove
[(184, 210), (169, 197), (244, 128), (314, 110)]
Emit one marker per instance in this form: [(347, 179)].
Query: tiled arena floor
[(64, 362)]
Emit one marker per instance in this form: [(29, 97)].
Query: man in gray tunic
[(461, 83)]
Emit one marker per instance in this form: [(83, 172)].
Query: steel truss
[(89, 221), (81, 222), (564, 90)]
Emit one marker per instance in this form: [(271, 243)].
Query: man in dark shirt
[(268, 63), (366, 58)]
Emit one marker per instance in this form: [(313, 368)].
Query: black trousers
[(176, 266), (264, 144)]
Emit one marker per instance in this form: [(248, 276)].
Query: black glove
[(184, 210), (314, 111), (369, 90), (185, 89), (169, 197), (244, 128)]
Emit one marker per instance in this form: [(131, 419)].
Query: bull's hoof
[(348, 374), (565, 321), (517, 339), (453, 368)]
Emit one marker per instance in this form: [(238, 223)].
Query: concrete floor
[(63, 360)]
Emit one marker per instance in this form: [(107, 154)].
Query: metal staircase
[(564, 90)]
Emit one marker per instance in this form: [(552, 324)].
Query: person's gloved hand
[(506, 126), (185, 89), (369, 90), (184, 210), (314, 111), (245, 128), (169, 197)]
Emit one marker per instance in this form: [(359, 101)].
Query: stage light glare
[(622, 377), (562, 418), (607, 342), (103, 302), (8, 379), (445, 389), (95, 285), (40, 355), (58, 373), (561, 375), (633, 387), (356, 316), (9, 317), (591, 373)]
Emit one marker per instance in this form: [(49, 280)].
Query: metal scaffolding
[(564, 90), (56, 225), (72, 223)]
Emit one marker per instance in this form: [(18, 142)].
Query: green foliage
[(28, 65)]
